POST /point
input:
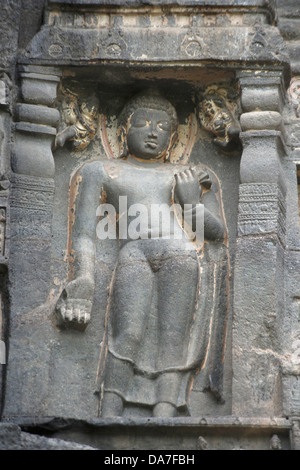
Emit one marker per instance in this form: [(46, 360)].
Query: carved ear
[(123, 142), (173, 140)]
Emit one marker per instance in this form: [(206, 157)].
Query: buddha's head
[(148, 127)]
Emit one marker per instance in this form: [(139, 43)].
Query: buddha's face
[(149, 134)]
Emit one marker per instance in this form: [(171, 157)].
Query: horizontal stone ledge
[(34, 128), (202, 433), (60, 423), (38, 114), (175, 43), (261, 120), (40, 70), (250, 5), (39, 76), (265, 134)]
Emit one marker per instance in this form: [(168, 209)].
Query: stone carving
[(275, 443), (80, 116), (31, 193), (294, 94), (216, 115), (258, 43), (262, 209), (202, 443), (192, 45), (165, 304)]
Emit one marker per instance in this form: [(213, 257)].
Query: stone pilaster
[(32, 184), (259, 265), (31, 204), (295, 434)]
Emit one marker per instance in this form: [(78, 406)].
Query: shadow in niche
[(4, 327)]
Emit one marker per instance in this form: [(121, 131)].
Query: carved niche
[(167, 296)]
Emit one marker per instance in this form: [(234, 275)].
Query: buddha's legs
[(131, 299), (177, 289)]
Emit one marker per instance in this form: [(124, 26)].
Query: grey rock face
[(103, 336), (12, 438)]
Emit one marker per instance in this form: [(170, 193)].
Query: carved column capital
[(35, 130)]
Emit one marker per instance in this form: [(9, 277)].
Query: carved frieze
[(147, 32)]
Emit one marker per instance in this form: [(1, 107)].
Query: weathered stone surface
[(12, 438), (259, 120), (203, 433), (288, 24), (67, 70)]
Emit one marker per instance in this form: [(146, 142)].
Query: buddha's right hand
[(74, 305)]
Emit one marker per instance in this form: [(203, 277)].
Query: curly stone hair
[(150, 98)]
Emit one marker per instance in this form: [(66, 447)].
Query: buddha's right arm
[(75, 303), (83, 234)]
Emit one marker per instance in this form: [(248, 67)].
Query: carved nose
[(152, 130)]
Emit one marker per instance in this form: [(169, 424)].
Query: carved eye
[(164, 126), (140, 123)]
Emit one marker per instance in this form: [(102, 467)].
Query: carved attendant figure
[(152, 342), (81, 119), (216, 117)]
